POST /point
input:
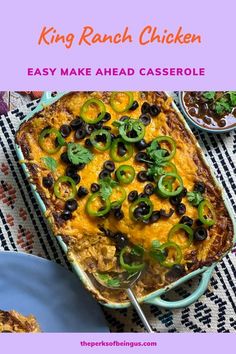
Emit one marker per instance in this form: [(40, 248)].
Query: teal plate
[(55, 296)]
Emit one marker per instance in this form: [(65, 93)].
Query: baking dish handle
[(51, 96), (47, 95), (199, 291)]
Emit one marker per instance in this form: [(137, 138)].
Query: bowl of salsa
[(212, 111)]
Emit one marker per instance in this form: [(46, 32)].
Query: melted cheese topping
[(83, 228), (138, 233)]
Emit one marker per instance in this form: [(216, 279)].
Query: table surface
[(15, 99), (23, 228)]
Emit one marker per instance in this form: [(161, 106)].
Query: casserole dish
[(154, 296)]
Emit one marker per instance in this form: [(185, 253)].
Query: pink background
[(167, 343), (21, 23)]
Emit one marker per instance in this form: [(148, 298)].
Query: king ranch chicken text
[(148, 35)]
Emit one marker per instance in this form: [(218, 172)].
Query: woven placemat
[(23, 228)]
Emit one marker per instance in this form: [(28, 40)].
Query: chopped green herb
[(113, 282), (50, 163), (194, 198), (107, 279), (78, 154), (158, 155), (209, 95), (130, 125), (155, 171), (232, 95), (137, 251), (221, 104), (103, 277), (106, 185), (156, 253), (120, 123), (155, 153), (151, 150)]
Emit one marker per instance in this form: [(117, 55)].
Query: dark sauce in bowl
[(204, 110)]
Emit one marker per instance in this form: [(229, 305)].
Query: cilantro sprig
[(106, 186), (155, 170), (195, 198), (209, 95), (156, 155), (137, 251), (221, 104), (232, 95), (50, 163), (156, 253), (130, 125), (108, 280), (78, 154)]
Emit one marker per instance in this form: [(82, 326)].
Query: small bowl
[(199, 126)]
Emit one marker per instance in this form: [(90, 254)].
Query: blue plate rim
[(23, 255)]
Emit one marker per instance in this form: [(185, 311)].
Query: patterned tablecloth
[(23, 228)]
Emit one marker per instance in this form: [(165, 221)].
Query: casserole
[(13, 321), (68, 106)]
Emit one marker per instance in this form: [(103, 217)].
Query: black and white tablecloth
[(23, 228)]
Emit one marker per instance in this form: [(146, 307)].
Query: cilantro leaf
[(209, 95), (158, 155), (107, 279), (158, 255), (232, 95), (194, 198), (155, 153), (152, 148), (50, 163), (137, 251), (223, 105), (130, 125), (113, 282), (78, 154), (120, 123), (219, 108), (103, 277), (106, 185), (155, 171), (155, 252)]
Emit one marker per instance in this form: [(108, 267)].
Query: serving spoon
[(126, 283)]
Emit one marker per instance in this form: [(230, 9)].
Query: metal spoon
[(126, 283)]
